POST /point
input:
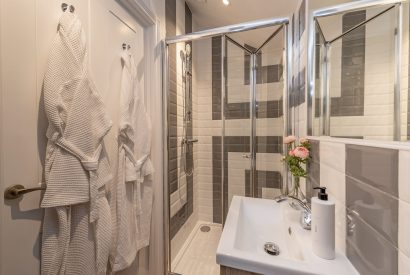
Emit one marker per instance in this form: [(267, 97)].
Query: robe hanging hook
[(65, 6), (125, 46)]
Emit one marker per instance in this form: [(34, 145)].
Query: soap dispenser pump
[(323, 225)]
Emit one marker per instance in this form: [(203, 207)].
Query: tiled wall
[(371, 189), (269, 123), (212, 203), (297, 95)]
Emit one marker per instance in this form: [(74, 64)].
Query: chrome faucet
[(306, 212)]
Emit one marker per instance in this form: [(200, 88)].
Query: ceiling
[(213, 13)]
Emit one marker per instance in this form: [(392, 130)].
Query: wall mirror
[(358, 71)]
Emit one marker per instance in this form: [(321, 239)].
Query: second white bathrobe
[(77, 221), (133, 196)]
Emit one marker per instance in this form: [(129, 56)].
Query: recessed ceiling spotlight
[(226, 2)]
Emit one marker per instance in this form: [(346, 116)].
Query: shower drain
[(205, 228), (271, 249)]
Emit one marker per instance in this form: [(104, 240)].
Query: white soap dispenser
[(323, 225)]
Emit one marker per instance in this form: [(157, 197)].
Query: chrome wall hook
[(65, 6), (125, 46)]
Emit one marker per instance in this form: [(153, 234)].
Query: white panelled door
[(27, 28)]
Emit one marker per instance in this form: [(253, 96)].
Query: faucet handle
[(306, 219)]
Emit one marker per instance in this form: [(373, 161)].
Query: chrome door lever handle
[(16, 191), (246, 156), (191, 140)]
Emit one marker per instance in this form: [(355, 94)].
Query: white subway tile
[(404, 175), (404, 227), (333, 155)]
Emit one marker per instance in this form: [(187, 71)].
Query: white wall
[(27, 29)]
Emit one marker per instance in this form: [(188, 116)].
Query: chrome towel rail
[(17, 191)]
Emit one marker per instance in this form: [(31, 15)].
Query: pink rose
[(303, 140), (291, 152), (289, 139), (301, 152)]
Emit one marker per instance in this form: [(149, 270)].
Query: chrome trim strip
[(352, 6), (326, 96), (398, 72), (320, 30), (360, 24), (253, 122), (310, 74), (269, 38), (166, 208), (224, 47), (286, 91), (236, 43), (247, 26)]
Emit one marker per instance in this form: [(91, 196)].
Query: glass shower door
[(237, 109), (269, 117)]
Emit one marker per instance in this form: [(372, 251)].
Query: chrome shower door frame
[(221, 31), (311, 54)]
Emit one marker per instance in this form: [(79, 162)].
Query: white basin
[(252, 222)]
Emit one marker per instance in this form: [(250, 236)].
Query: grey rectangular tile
[(368, 251), (375, 166), (376, 208), (313, 169), (351, 101), (216, 77), (302, 18), (217, 178), (263, 179)]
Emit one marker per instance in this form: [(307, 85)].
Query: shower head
[(182, 54), (188, 49)]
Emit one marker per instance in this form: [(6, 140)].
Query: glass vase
[(296, 191)]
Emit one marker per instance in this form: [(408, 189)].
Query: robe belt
[(137, 183), (141, 161), (89, 164)]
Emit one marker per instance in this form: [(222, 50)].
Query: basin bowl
[(252, 222)]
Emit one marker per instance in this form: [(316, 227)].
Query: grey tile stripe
[(263, 179), (179, 219), (297, 96), (170, 9), (313, 169), (351, 102), (302, 18), (371, 245)]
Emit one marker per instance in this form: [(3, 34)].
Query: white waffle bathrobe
[(133, 191), (77, 221)]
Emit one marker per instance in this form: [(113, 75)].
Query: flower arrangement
[(296, 158)]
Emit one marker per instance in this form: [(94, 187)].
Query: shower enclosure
[(225, 107)]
